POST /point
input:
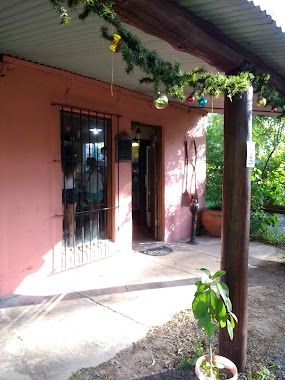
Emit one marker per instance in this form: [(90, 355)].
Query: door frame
[(158, 222)]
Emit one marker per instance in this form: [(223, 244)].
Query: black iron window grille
[(85, 182)]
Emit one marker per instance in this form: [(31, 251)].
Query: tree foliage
[(214, 159), (268, 176)]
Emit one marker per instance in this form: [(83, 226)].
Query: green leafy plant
[(187, 362), (263, 374), (212, 308)]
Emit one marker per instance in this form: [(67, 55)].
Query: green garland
[(164, 73)]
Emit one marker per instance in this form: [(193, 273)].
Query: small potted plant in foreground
[(212, 308)]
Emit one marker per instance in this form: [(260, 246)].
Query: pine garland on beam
[(164, 73)]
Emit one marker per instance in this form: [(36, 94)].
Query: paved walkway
[(104, 308)]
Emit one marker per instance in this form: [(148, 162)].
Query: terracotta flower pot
[(212, 221), (228, 365)]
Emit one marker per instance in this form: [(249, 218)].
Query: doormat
[(157, 251)]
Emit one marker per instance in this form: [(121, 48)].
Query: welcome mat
[(157, 251)]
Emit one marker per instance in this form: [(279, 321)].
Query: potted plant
[(212, 308)]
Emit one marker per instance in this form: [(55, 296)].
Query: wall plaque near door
[(123, 147)]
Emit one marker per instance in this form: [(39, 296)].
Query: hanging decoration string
[(114, 47), (112, 65), (112, 80)]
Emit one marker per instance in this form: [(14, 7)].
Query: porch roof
[(30, 30)]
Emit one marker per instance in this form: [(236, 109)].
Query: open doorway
[(146, 161)]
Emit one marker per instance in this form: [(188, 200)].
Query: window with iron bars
[(84, 162)]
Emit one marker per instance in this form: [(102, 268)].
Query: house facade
[(46, 112)]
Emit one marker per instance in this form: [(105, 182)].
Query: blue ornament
[(202, 102)]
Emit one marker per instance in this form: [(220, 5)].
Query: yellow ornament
[(116, 43), (261, 102)]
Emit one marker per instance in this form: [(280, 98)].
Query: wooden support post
[(236, 220)]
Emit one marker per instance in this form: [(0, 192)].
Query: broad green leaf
[(232, 322), (229, 305), (230, 330), (221, 311), (218, 274), (204, 320), (212, 300), (199, 305), (223, 288), (210, 328), (224, 292), (201, 287), (233, 316), (208, 273)]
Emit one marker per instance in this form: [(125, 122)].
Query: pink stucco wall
[(30, 202)]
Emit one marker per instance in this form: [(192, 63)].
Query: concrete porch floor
[(102, 309)]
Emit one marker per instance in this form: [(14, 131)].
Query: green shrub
[(186, 362), (262, 374), (267, 178)]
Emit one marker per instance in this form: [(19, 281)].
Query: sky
[(276, 8)]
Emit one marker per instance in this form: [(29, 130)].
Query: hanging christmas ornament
[(161, 101), (190, 99), (202, 102), (116, 43), (261, 102), (273, 109)]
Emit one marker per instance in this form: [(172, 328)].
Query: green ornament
[(161, 101)]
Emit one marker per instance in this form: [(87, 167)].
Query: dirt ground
[(158, 355)]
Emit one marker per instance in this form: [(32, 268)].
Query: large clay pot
[(212, 221), (227, 363)]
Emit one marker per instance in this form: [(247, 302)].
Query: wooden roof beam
[(189, 33)]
